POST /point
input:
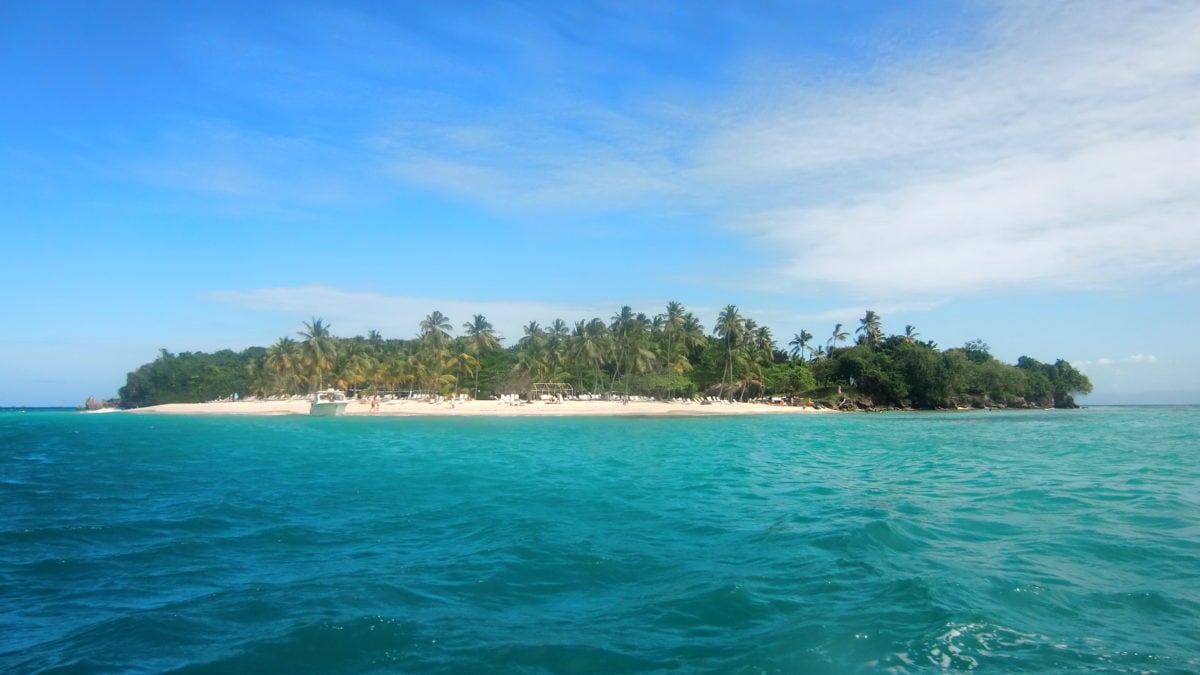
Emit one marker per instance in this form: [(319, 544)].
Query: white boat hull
[(328, 408)]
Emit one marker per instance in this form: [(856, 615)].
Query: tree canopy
[(667, 354)]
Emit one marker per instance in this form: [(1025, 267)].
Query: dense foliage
[(667, 355)]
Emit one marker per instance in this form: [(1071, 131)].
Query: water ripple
[(1010, 542)]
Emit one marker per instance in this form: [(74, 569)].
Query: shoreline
[(489, 408)]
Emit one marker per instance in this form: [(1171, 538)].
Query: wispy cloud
[(1058, 149), (266, 170), (1134, 360), (1061, 153), (1065, 154)]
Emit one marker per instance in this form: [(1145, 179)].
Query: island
[(633, 363)]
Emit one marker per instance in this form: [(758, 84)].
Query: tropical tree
[(621, 328), (692, 335), (764, 344), (481, 337), (671, 323), (557, 350), (839, 335), (319, 349), (435, 330), (730, 329), (464, 362), (283, 359), (870, 328), (534, 336), (910, 334), (355, 364), (799, 343), (590, 346)]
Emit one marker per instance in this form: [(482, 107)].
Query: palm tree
[(799, 343), (464, 361), (839, 335), (764, 343), (481, 337), (282, 359), (534, 336), (556, 349), (481, 334), (730, 327), (354, 366), (621, 329), (590, 347), (559, 329), (869, 327), (672, 322), (910, 333), (692, 334), (435, 329), (320, 348)]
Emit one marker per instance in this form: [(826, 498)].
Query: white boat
[(328, 403)]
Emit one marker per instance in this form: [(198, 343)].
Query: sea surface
[(1031, 541)]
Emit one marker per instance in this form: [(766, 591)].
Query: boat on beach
[(328, 403)]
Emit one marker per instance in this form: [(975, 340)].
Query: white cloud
[(1061, 152), (1059, 149), (1134, 360), (1065, 155)]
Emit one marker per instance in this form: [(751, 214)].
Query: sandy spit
[(482, 408)]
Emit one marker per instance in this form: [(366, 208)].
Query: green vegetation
[(667, 355)]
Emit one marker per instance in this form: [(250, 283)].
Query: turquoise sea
[(905, 542)]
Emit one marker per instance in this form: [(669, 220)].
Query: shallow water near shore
[(1015, 541)]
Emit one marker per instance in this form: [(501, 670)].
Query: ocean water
[(906, 542)]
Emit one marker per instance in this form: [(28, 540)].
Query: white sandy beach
[(482, 408)]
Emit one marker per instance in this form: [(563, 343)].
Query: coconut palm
[(590, 346), (534, 336), (556, 349), (375, 339), (435, 329), (319, 349), (730, 329), (283, 360), (910, 333), (480, 334), (839, 335), (799, 343), (764, 343), (464, 362), (869, 327), (692, 336), (670, 323), (621, 328), (559, 329), (481, 337)]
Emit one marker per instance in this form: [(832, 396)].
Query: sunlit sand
[(414, 408)]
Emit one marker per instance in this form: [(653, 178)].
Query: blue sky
[(194, 176)]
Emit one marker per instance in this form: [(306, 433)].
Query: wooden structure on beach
[(551, 389)]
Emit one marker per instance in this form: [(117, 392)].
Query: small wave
[(877, 535), (357, 645), (967, 646)]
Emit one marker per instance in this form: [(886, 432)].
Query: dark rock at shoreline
[(93, 404)]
